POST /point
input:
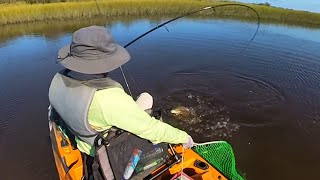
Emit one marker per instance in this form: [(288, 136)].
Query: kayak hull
[(69, 162)]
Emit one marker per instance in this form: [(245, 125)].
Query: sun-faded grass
[(110, 8), (17, 13)]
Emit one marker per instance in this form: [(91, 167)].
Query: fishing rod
[(174, 19), (194, 12), (182, 16)]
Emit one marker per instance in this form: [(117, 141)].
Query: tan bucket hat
[(93, 51)]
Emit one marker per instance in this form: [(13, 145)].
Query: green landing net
[(220, 155)]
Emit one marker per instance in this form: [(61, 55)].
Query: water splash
[(205, 118)]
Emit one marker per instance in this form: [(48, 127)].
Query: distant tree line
[(264, 4)]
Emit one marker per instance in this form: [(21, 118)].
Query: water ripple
[(245, 96)]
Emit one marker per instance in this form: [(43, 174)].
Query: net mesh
[(220, 155)]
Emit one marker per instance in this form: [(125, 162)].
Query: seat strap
[(104, 163)]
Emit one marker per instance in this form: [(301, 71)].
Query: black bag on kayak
[(114, 152)]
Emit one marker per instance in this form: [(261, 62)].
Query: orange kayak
[(70, 166)]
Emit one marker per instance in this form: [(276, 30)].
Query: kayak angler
[(92, 113), (90, 102)]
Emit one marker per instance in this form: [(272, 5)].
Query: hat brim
[(105, 64)]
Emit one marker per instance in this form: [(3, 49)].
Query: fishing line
[(122, 73), (125, 80), (98, 7), (133, 80)]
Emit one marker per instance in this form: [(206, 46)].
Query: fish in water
[(201, 115), (182, 111)]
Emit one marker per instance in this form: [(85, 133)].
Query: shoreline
[(23, 13), (44, 28)]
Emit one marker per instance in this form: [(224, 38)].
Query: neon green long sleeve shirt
[(114, 107)]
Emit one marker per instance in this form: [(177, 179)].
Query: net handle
[(206, 143)]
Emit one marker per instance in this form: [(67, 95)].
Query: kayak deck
[(70, 165)]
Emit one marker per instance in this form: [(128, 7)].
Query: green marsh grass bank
[(21, 12)]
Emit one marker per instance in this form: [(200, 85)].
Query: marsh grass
[(17, 13)]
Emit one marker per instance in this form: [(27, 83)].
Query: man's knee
[(145, 101)]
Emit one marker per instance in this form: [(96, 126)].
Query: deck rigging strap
[(182, 160)]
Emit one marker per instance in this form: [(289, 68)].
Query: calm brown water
[(265, 101)]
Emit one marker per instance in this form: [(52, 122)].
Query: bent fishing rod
[(174, 19), (182, 16), (194, 12)]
